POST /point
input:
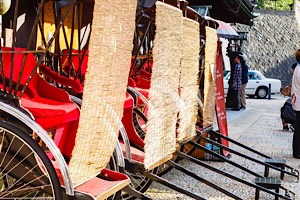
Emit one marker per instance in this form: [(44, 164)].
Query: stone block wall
[(271, 43)]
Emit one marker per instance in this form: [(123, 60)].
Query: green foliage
[(274, 4)]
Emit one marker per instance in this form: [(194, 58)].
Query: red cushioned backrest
[(18, 59), (17, 65), (131, 82), (142, 82), (76, 58), (144, 74)]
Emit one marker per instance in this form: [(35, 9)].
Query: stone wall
[(271, 43)]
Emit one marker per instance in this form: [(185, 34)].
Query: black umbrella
[(146, 3), (63, 3)]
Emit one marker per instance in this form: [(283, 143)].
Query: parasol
[(224, 30)]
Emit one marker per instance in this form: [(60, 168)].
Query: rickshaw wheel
[(26, 171), (138, 182), (139, 121)]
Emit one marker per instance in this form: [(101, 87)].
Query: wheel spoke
[(11, 142), (19, 181), (23, 172), (19, 163), (11, 160)]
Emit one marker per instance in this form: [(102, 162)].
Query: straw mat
[(209, 72), (160, 140), (105, 87), (189, 79)]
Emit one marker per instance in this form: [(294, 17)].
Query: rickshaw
[(136, 112), (136, 171), (144, 71), (40, 157), (37, 146)]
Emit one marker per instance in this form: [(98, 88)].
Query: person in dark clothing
[(236, 83), (244, 81)]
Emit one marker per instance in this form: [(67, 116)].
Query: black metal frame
[(200, 136), (138, 168), (36, 23), (149, 22), (203, 164), (53, 59), (294, 172)]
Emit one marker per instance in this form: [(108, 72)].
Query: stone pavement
[(259, 127)]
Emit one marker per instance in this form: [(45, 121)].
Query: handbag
[(286, 91), (288, 114)]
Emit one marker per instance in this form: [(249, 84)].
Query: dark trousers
[(236, 99), (229, 97), (296, 137)]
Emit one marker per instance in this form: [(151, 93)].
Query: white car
[(258, 84)]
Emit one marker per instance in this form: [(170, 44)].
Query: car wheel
[(262, 92)]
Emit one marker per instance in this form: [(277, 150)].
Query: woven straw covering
[(160, 140), (189, 79), (209, 84), (105, 87)]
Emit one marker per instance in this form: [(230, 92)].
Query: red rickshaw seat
[(51, 107), (78, 58)]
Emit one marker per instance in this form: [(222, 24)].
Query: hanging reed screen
[(160, 140), (189, 85), (105, 87), (209, 73)]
